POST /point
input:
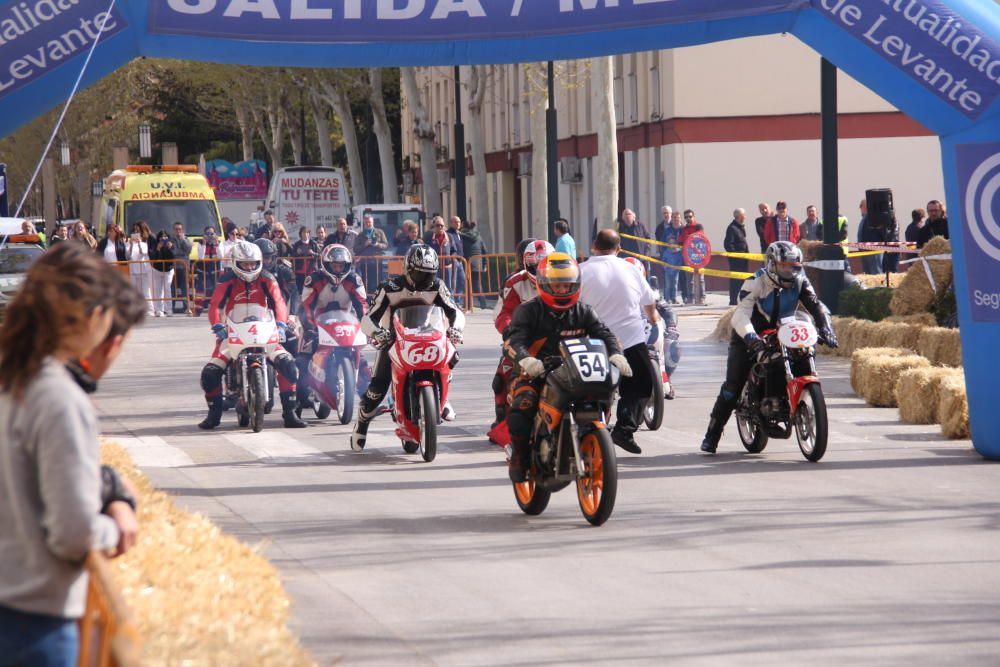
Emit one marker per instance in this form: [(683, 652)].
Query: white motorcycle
[(253, 338)]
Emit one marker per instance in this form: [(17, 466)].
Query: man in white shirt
[(619, 295)]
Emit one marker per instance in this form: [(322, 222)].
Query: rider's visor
[(789, 269)]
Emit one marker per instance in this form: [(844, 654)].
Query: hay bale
[(917, 394), (915, 294), (723, 328), (869, 281), (898, 334), (197, 595), (923, 319), (860, 358), (953, 407), (941, 346), (878, 375), (847, 335)]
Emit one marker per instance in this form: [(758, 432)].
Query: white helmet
[(247, 260), (534, 253)]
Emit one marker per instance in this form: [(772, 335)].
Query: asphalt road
[(886, 552)]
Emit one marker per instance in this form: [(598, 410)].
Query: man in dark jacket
[(473, 248), (937, 223), (736, 241), (629, 225), (342, 235), (761, 222)]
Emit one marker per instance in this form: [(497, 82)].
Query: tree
[(538, 100), (606, 162), (332, 90), (386, 154), (321, 117), (423, 132), (479, 81)]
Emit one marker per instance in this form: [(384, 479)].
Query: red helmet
[(634, 261), (558, 281), (534, 253)]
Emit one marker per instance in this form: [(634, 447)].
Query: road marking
[(153, 452), (273, 446)]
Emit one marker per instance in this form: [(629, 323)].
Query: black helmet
[(335, 254), (519, 253), (420, 266), (783, 263), (268, 251)]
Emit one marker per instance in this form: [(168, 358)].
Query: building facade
[(711, 128)]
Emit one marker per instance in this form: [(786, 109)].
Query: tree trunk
[(386, 154), (337, 98), (321, 116), (271, 131), (246, 131), (478, 82), (606, 163), (294, 125), (539, 101), (423, 132)]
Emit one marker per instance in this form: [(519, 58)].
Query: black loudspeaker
[(881, 214)]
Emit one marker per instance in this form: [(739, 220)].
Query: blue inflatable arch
[(936, 60)]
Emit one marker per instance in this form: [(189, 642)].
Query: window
[(515, 108)]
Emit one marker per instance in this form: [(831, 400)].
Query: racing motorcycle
[(333, 369), (783, 393), (569, 440), (250, 376), (664, 352), (421, 356)]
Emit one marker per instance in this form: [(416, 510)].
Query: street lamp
[(145, 141), (64, 153)]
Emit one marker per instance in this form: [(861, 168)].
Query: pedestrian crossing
[(153, 452)]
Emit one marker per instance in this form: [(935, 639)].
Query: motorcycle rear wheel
[(345, 397), (428, 420), (652, 415), (256, 404), (811, 423), (597, 488), (531, 498), (752, 433)]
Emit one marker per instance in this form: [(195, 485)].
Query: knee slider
[(211, 377), (499, 386), (285, 364), (524, 399)]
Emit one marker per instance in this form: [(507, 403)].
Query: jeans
[(457, 282), (741, 266), (670, 284), (685, 287), (35, 640), (872, 264), (477, 288)]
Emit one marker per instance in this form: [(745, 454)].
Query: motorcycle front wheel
[(345, 397), (811, 423), (652, 416), (597, 486), (256, 404), (428, 420)]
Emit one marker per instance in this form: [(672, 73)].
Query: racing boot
[(288, 405), (360, 433), (520, 459), (721, 412), (214, 417)]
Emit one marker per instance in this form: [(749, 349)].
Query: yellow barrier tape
[(740, 255), (753, 256), (708, 272), (653, 241)]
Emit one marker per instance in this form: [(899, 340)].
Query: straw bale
[(845, 328), (197, 595), (878, 375), (898, 334), (917, 394), (723, 328), (924, 319), (953, 407), (860, 358), (941, 346), (878, 280), (914, 294)]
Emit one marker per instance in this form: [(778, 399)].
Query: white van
[(389, 218), (308, 196)]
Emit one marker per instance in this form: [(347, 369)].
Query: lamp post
[(145, 141)]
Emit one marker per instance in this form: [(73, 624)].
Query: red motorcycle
[(333, 369), (420, 354)]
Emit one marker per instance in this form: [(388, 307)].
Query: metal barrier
[(163, 283), (454, 271), (493, 270), (107, 636)]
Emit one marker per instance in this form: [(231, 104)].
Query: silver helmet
[(783, 263)]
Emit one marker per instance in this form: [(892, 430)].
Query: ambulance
[(160, 196)]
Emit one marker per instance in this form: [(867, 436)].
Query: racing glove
[(282, 332), (621, 363), (828, 338), (754, 343), (455, 335), (381, 338), (531, 366), (220, 331)]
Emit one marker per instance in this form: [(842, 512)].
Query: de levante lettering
[(936, 47)]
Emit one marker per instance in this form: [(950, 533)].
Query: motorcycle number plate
[(592, 366), (422, 354), (797, 334)]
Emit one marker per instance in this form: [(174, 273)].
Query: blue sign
[(353, 21), (944, 52), (38, 36), (979, 184)]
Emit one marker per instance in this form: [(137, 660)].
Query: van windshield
[(390, 222), (161, 215)]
